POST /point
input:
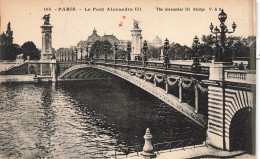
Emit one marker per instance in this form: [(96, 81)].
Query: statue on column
[(46, 19), (136, 22)]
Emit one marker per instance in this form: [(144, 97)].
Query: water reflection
[(82, 119)]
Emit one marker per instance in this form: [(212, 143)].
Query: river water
[(83, 119)]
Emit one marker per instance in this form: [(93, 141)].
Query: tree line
[(9, 52), (240, 47)]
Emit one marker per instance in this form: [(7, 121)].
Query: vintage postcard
[(127, 79)]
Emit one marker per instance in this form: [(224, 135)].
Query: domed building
[(83, 47), (94, 37), (157, 42), (111, 38)]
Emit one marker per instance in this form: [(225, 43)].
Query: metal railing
[(157, 65), (158, 147)]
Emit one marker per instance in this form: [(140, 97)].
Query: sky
[(69, 27)]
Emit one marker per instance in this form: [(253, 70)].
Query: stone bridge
[(153, 81), (218, 98)]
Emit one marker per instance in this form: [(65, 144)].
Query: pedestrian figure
[(236, 66), (241, 66)]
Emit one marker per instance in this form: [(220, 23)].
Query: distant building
[(86, 45), (83, 47), (111, 38), (122, 44), (94, 37), (7, 37), (157, 42)]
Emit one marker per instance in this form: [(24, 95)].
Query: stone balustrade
[(241, 76)]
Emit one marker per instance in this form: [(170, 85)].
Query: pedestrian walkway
[(200, 151)]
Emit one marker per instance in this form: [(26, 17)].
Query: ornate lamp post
[(87, 55), (105, 49), (175, 53), (129, 50), (62, 56), (97, 50), (166, 58), (145, 47), (76, 52), (196, 61), (81, 50), (65, 54), (68, 56), (116, 48), (159, 54), (72, 55), (221, 54)]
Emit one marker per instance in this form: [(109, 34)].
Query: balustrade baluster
[(166, 87), (155, 83), (180, 90), (196, 97)]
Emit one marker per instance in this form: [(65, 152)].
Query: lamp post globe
[(222, 16)]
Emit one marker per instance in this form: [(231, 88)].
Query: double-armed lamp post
[(196, 61), (166, 58), (129, 51), (221, 54), (145, 47)]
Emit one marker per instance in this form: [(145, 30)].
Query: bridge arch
[(84, 72), (122, 73), (241, 131), (239, 120)]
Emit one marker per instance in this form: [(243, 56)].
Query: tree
[(29, 49), (9, 52), (101, 52), (153, 51)]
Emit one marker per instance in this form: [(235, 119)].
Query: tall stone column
[(48, 62), (136, 41), (46, 53)]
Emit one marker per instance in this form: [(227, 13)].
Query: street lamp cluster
[(72, 55), (221, 54)]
